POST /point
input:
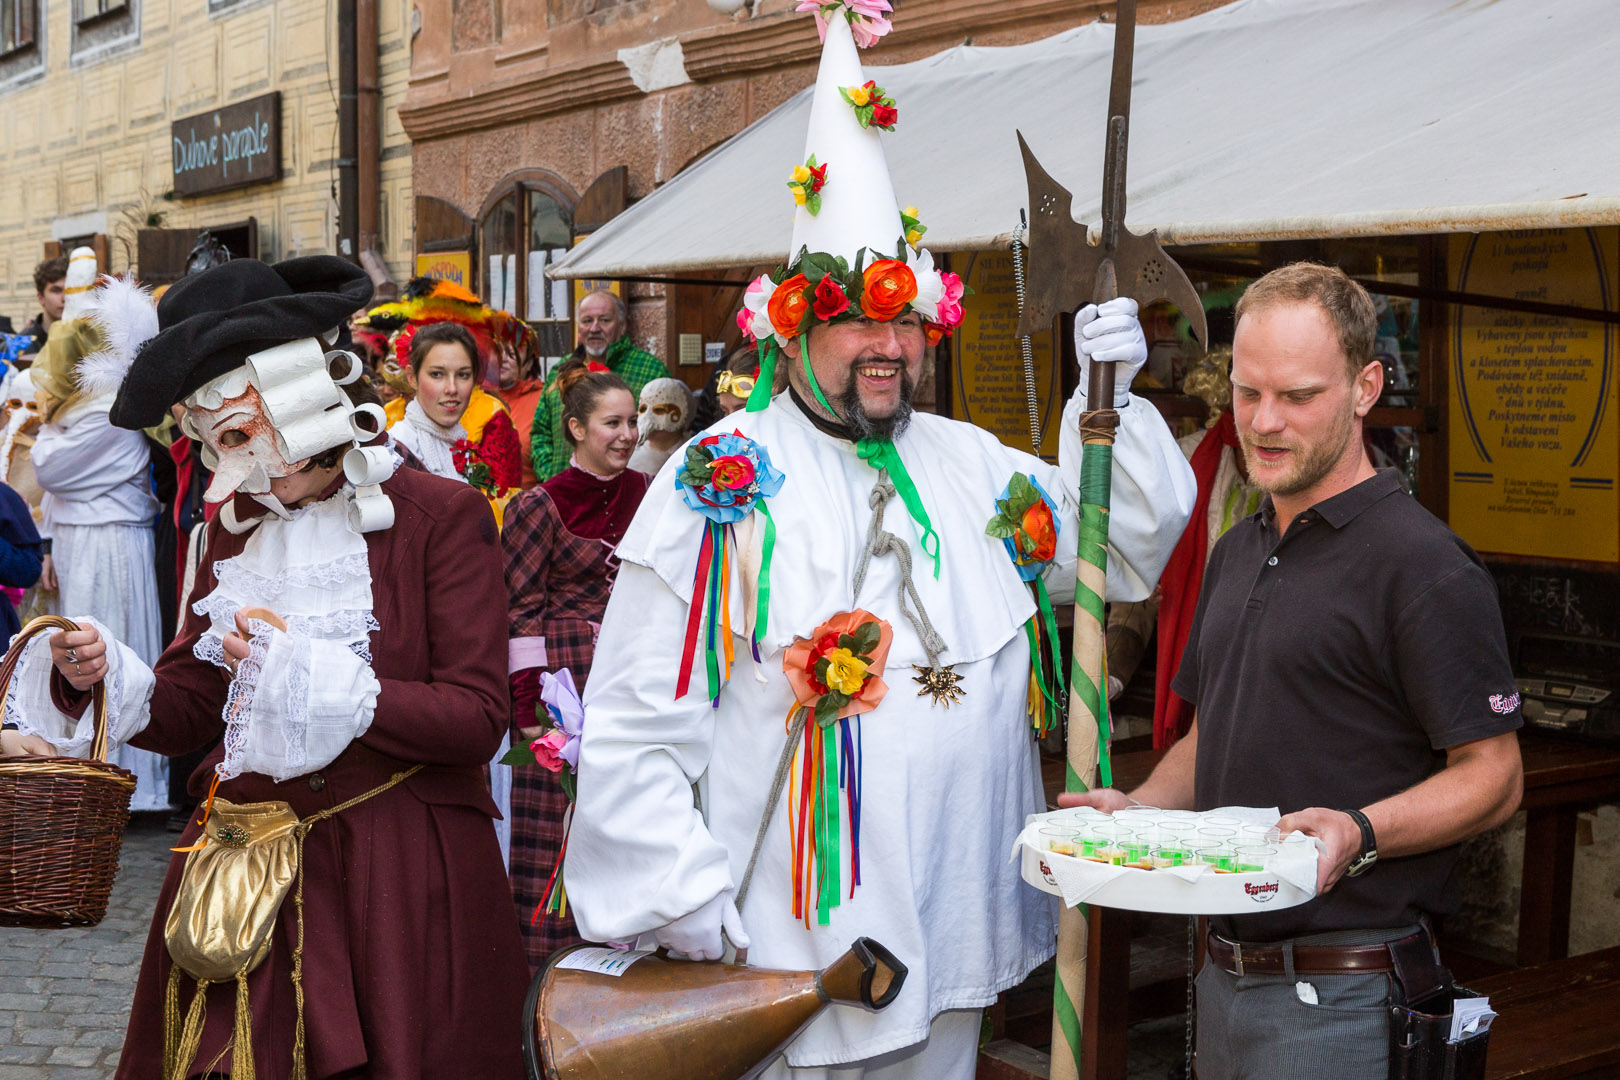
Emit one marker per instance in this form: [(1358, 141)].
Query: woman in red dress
[(559, 540)]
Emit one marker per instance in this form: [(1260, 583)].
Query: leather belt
[(1241, 959)]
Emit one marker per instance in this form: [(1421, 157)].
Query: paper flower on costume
[(562, 714), (1027, 523), (868, 19), (806, 184), (837, 676), (725, 478), (873, 107), (911, 221)]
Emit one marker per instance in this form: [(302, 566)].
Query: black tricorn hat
[(210, 323)]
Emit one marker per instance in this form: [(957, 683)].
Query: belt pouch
[(1418, 1047)]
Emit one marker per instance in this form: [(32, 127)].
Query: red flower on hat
[(884, 116), (831, 300)]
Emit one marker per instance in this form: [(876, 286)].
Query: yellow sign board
[(989, 389), (1535, 424), (452, 266)]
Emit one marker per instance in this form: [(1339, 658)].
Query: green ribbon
[(763, 607), (829, 856), (1096, 475), (880, 454), (760, 396), (712, 644), (1068, 1017)]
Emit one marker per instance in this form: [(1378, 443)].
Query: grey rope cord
[(778, 782), (880, 541)]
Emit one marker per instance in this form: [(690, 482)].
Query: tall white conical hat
[(858, 208), (81, 279)]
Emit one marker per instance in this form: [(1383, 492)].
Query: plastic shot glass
[(1221, 821), (1219, 856), (1169, 854), (1207, 836), (1058, 839), (1253, 858), (1258, 834)]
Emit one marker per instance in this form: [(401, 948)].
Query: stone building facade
[(86, 108), (515, 95)]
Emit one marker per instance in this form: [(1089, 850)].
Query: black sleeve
[(1449, 654)]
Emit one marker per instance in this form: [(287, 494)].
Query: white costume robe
[(944, 790), (98, 510)]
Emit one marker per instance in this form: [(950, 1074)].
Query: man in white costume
[(944, 784)]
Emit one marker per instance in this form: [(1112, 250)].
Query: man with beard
[(603, 325), (843, 529), (1347, 663)]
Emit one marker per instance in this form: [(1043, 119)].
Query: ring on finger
[(73, 656), (76, 670)]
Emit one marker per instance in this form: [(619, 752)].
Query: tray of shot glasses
[(1230, 861)]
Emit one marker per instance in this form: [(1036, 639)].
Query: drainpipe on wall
[(368, 129), (348, 134)]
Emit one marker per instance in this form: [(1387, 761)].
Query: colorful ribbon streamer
[(828, 761), (709, 616)]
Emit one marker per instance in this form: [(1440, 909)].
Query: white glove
[(696, 936), (1110, 334)]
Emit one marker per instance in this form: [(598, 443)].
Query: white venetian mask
[(239, 436)]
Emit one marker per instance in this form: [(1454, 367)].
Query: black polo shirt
[(1333, 667)]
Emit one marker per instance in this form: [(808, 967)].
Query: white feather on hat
[(126, 315)]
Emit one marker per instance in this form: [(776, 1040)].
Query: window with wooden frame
[(525, 225), (19, 25)]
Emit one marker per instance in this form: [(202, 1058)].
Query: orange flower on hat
[(889, 285), (789, 306)]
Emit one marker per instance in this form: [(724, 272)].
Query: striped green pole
[(1087, 746)]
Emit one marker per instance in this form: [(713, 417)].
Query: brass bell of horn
[(681, 1020)]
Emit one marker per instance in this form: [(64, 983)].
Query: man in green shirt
[(602, 322)]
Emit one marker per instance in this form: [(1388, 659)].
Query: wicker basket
[(61, 821)]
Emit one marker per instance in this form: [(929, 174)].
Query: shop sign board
[(229, 147), (1534, 419), (989, 370), (452, 266)]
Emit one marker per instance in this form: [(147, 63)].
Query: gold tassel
[(171, 1020), (242, 1041), (191, 1035)]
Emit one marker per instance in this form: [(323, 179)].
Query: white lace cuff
[(129, 696), (295, 704)]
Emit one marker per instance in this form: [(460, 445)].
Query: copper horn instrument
[(680, 1020)]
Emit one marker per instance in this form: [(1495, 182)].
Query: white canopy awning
[(1262, 120)]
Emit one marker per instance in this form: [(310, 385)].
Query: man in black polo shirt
[(1348, 664)]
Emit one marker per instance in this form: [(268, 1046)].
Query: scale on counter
[(1569, 684)]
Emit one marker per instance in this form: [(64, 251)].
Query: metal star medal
[(942, 682)]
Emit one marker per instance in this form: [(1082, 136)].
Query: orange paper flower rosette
[(799, 661)]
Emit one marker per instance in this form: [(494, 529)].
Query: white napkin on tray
[(1079, 879)]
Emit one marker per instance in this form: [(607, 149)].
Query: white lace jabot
[(312, 570)]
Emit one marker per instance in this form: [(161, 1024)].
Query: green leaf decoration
[(821, 671), (827, 708), (519, 755), (1021, 490), (1000, 528), (569, 784), (844, 92), (866, 638), (812, 203)]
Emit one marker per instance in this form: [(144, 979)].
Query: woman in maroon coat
[(412, 964), (559, 541)]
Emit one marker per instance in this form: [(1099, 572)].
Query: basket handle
[(98, 692)]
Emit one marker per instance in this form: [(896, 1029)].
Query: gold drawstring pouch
[(220, 925)]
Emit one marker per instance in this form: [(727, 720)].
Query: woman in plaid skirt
[(559, 541)]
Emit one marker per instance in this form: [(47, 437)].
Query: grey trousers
[(1259, 1028)]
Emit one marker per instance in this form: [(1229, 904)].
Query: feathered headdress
[(429, 300), (126, 315)]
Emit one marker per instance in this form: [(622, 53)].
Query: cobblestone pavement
[(64, 994)]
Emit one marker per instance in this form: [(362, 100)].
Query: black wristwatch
[(1368, 855)]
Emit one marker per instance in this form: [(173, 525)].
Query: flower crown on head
[(818, 287)]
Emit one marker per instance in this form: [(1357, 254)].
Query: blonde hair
[(1346, 303)]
